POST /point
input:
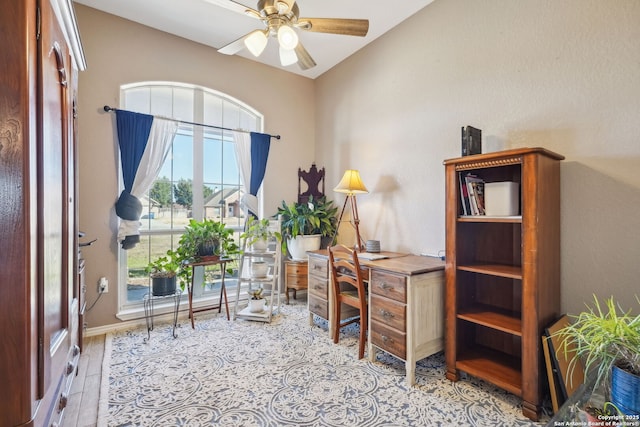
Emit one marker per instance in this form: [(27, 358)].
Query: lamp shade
[(351, 183)]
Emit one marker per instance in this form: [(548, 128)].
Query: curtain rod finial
[(107, 108)]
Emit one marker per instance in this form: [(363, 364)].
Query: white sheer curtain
[(160, 139)]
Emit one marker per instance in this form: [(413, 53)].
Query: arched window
[(200, 178)]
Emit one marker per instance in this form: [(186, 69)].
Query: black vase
[(208, 249), (161, 286)]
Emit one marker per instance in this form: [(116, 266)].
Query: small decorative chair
[(349, 288)]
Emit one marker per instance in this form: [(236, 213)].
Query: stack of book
[(472, 194)]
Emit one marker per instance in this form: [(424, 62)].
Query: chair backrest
[(345, 268)]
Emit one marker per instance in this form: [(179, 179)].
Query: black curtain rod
[(109, 109)]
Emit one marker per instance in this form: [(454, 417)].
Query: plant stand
[(270, 283), (148, 301), (202, 262)]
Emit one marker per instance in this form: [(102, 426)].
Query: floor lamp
[(351, 184)]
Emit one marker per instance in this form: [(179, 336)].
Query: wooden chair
[(349, 288)]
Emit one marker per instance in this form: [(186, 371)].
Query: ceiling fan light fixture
[(288, 57), (287, 37), (256, 42)]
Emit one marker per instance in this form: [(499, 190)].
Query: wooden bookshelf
[(503, 274)]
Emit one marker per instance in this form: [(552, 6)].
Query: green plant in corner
[(317, 216), (604, 336)]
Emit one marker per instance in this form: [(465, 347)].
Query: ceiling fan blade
[(236, 7), (235, 46), (347, 27), (305, 61)]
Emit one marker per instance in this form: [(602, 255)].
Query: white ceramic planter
[(299, 246), (259, 269), (256, 305), (259, 245)]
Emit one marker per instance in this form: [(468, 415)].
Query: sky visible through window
[(220, 164)]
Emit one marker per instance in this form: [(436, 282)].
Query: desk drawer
[(318, 306), (388, 339), (318, 287), (389, 312), (388, 285), (319, 267)]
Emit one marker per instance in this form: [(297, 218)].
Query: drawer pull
[(70, 368), (317, 267), (386, 314), (318, 287), (386, 339), (386, 286)]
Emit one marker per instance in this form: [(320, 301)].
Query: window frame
[(129, 310)]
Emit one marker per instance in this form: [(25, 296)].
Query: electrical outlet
[(103, 285)]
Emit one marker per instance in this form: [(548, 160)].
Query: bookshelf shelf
[(491, 317), (484, 218), (503, 272), (510, 271)]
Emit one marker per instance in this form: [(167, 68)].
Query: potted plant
[(163, 273), (304, 224), (203, 239), (256, 301), (607, 339), (207, 238), (258, 232)]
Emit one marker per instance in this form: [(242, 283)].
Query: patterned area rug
[(286, 373)]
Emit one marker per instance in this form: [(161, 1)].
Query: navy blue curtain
[(133, 134), (260, 144)]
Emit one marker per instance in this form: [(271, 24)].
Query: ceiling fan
[(281, 19)]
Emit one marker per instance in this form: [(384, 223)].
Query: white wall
[(564, 75), (120, 51)]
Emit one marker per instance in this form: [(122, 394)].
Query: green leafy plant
[(203, 238), (166, 266), (317, 216), (255, 294), (258, 229), (206, 237), (604, 336)]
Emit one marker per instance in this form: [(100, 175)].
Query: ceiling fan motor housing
[(284, 9)]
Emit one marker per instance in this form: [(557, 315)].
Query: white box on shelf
[(501, 198)]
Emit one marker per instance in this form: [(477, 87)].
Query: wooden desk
[(406, 304), (222, 262)]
